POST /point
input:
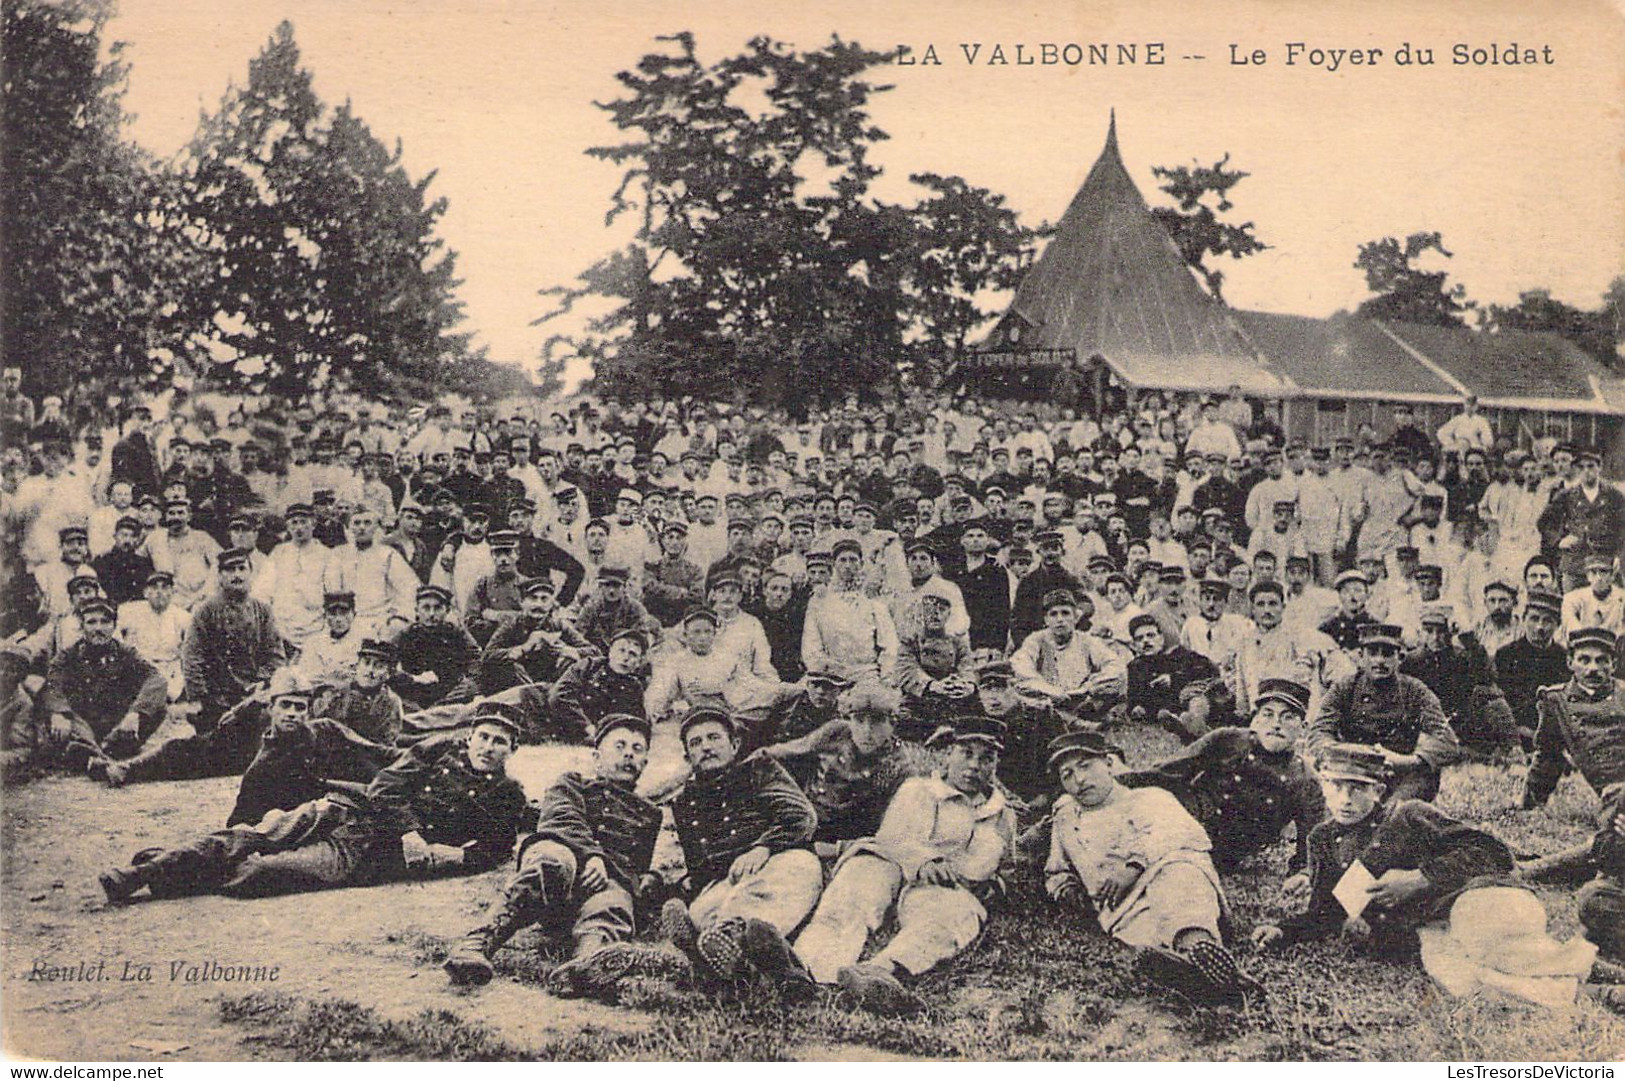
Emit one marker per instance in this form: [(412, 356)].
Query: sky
[(1521, 167)]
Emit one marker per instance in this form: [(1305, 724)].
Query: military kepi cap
[(1353, 762), (1087, 743), (612, 721), (1600, 637), (1289, 693)]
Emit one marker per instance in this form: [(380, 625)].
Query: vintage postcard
[(953, 530)]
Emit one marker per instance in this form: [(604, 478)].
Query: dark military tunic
[(1521, 669), (1400, 714), (432, 790), (792, 718), (539, 557), (720, 815), (1155, 682), (1243, 795), (590, 689), (442, 648), (849, 789), (435, 791), (233, 645), (1024, 764), (293, 766), (671, 587), (595, 817), (987, 599), (1344, 629), (1408, 835), (541, 666), (1577, 728), (99, 685), (123, 575)]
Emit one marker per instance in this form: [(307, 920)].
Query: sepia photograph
[(953, 531)]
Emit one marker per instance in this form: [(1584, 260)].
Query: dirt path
[(360, 945)]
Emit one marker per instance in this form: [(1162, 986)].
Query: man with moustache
[(1396, 713), (582, 868), (100, 698)]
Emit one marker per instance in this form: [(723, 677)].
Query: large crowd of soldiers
[(898, 650)]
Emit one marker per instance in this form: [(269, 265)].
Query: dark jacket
[(434, 791), (589, 689), (99, 686), (1574, 727), (445, 649), (1402, 715), (1409, 835), (594, 817), (123, 574), (1243, 795), (294, 767), (752, 802), (987, 600), (1155, 682)]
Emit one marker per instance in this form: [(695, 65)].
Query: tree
[(1405, 292), (1194, 224), (745, 276), (324, 259), (963, 243), (91, 263), (1598, 332)]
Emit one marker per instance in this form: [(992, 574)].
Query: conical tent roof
[(1112, 283)]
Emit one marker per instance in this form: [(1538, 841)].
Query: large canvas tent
[(1111, 302)]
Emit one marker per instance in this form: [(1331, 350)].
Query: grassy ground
[(360, 978), (1038, 987)]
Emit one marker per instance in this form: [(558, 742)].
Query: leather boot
[(571, 979), (469, 962)]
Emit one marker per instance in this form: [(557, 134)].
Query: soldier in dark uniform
[(801, 714), (1582, 722), (1533, 661), (123, 571), (1245, 785), (533, 647), (445, 805), (1422, 858), (1161, 670), (583, 866), (1027, 609), (495, 597), (1396, 713), (233, 646), (1586, 516), (746, 831), (1023, 768), (1459, 674), (600, 684), (436, 656), (850, 767), (100, 697), (675, 583), (315, 735), (610, 610), (1353, 590), (540, 557)]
